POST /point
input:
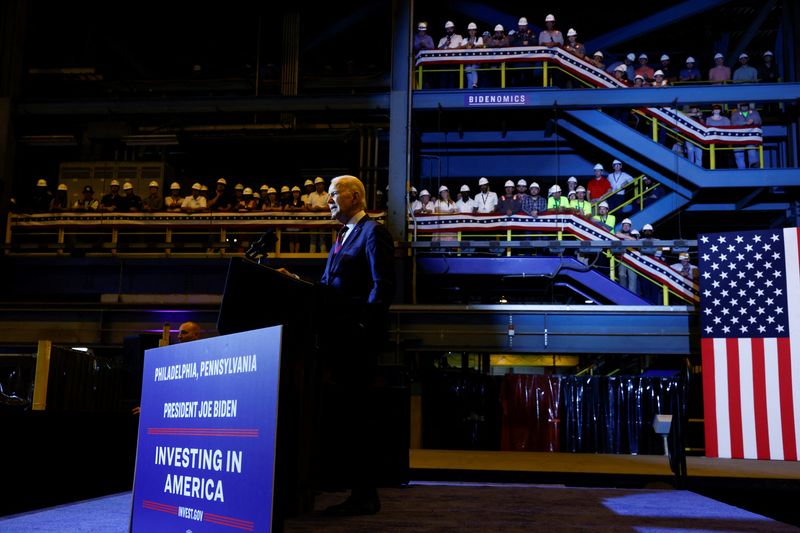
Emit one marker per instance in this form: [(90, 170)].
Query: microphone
[(263, 245)]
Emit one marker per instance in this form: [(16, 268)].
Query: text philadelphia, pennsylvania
[(211, 367)]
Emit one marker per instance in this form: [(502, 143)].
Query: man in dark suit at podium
[(360, 274)]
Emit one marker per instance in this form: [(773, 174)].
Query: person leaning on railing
[(174, 201), (88, 202), (60, 202), (473, 40), (195, 202)]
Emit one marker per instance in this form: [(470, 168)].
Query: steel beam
[(549, 98), (636, 162), (290, 104), (766, 206), (546, 329), (665, 159), (645, 25), (753, 27), (578, 275)]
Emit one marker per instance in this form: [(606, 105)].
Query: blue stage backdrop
[(206, 453)]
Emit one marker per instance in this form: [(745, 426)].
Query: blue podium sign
[(205, 459)]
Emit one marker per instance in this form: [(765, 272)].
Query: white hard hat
[(643, 56), (646, 227), (444, 188), (683, 255), (638, 77), (483, 181), (554, 189), (627, 221), (499, 27), (422, 26), (767, 53), (175, 185), (534, 184), (222, 181), (634, 231), (197, 187), (318, 180), (266, 187), (664, 57), (238, 187), (284, 189), (658, 73), (41, 183), (572, 193), (247, 191), (598, 53), (523, 182), (573, 179), (424, 192), (522, 21), (571, 32), (472, 26), (413, 189), (616, 162), (598, 166), (631, 57), (295, 188), (128, 185), (256, 195), (153, 184), (272, 190), (549, 18), (718, 56), (308, 182), (603, 204), (621, 68), (62, 186), (114, 183), (509, 183), (690, 59), (743, 55), (465, 188), (449, 24), (580, 188), (204, 187)]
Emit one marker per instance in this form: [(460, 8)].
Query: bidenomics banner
[(206, 454)]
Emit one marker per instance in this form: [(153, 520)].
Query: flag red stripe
[(709, 395), (787, 408), (760, 399), (734, 398)]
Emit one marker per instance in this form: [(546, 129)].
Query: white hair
[(352, 184)]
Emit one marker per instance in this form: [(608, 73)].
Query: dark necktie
[(340, 239)]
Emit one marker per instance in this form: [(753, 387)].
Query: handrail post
[(612, 270), (760, 156), (665, 291), (42, 375), (461, 75), (544, 74), (655, 130), (503, 75), (712, 156)]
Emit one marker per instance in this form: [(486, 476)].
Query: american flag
[(750, 327)]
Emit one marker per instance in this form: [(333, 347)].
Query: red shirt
[(598, 187)]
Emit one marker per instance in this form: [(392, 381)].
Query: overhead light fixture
[(49, 140), (151, 140)]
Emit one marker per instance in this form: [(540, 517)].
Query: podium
[(257, 296)]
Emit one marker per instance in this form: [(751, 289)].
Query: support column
[(12, 31), (400, 118)]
